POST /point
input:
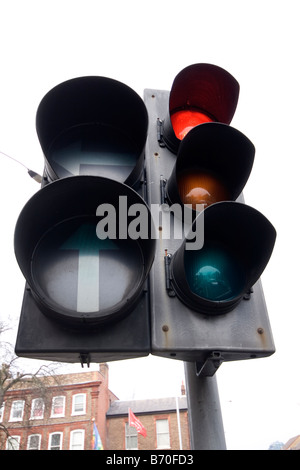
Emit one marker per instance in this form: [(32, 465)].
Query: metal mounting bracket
[(85, 359), (210, 366)]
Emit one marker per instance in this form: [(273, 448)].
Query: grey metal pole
[(205, 418)]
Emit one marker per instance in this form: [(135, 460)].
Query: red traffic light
[(200, 93), (184, 120)]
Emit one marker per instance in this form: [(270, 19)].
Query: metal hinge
[(159, 130), (163, 194), (169, 288), (247, 295)]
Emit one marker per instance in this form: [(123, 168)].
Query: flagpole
[(178, 423), (205, 417)]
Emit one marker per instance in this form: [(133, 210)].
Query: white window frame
[(12, 410), (58, 415), (83, 411), (34, 401), (82, 432), (16, 443), (160, 433), (39, 443), (60, 440), (130, 432)]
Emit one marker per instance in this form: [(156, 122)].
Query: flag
[(97, 443), (133, 421)]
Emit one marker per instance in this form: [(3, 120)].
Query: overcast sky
[(145, 44)]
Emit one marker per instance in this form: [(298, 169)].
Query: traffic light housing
[(139, 240), (86, 297), (207, 300)]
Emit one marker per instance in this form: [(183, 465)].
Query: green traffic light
[(75, 276), (213, 273), (76, 271), (238, 242)]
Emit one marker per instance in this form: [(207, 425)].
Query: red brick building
[(64, 417), (164, 419)]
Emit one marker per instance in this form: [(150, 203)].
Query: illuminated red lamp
[(183, 121), (200, 93)]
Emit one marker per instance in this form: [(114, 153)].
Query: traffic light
[(139, 240), (79, 240), (207, 300), (200, 93)]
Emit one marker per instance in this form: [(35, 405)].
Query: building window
[(13, 443), (78, 404), (37, 409), (34, 442), (131, 437), (55, 441), (162, 434), (77, 440), (17, 409), (58, 407), (1, 412)]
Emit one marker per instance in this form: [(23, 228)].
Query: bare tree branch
[(13, 377)]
